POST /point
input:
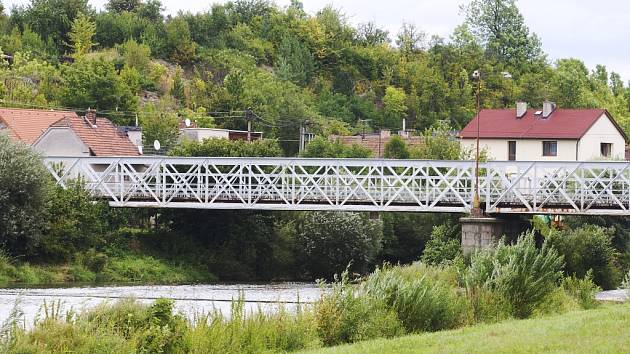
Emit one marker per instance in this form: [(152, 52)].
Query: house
[(64, 133), (376, 142), (547, 134), (200, 134)]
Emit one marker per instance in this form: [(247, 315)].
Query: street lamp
[(476, 75)]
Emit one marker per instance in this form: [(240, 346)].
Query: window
[(605, 149), (512, 150), (550, 148)]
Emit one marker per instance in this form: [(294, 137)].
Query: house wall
[(61, 142), (603, 131), (526, 149), (199, 134)]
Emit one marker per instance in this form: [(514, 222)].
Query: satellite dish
[(156, 145), (187, 122)]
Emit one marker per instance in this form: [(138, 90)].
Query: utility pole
[(303, 135), (249, 116)]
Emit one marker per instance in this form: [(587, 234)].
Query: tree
[(159, 123), (322, 147), (410, 39), (368, 34), (95, 83), (81, 34), (294, 61), (179, 43), (396, 148), (24, 189), (438, 143), (500, 26), (51, 19), (123, 5), (394, 107), (327, 242)]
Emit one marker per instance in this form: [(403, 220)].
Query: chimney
[(90, 116), (548, 108), (521, 109)]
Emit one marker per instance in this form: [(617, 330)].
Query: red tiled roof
[(103, 140), (561, 124), (28, 125)]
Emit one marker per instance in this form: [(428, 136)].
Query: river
[(190, 300)]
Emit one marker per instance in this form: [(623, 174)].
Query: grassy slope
[(603, 330)]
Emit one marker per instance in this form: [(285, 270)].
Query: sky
[(596, 32)]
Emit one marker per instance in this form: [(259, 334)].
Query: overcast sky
[(598, 32)]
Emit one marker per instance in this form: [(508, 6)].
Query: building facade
[(548, 134)]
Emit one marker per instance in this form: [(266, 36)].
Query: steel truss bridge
[(350, 184)]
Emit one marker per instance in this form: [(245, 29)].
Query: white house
[(547, 134)]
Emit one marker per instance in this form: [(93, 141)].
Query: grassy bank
[(129, 268), (602, 330)]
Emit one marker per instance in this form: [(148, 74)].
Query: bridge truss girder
[(350, 184)]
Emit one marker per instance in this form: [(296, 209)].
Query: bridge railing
[(273, 183), (351, 184)]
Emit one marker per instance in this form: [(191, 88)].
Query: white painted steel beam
[(540, 187)]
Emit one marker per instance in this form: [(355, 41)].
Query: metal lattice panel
[(350, 184)]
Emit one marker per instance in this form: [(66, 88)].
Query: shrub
[(343, 317), (582, 290), (521, 275), (625, 284), (443, 246), (588, 247), (328, 241), (23, 194), (422, 301)]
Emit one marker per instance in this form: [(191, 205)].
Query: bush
[(443, 246), (422, 301), (585, 248), (328, 241), (582, 290), (24, 190), (343, 317), (520, 275)]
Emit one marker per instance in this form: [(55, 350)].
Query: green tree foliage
[(95, 83), (443, 246), (179, 43), (81, 33), (158, 124), (438, 143), (24, 190), (501, 27), (228, 148), (50, 19), (322, 147), (76, 224), (294, 62), (123, 5), (396, 148), (327, 242), (395, 108), (588, 248)]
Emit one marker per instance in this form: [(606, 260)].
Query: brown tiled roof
[(103, 140), (28, 125), (374, 142)]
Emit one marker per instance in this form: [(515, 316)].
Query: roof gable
[(561, 124), (28, 125), (103, 140)]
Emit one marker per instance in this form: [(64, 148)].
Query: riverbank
[(130, 268), (602, 330)]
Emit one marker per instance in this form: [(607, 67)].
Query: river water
[(190, 300)]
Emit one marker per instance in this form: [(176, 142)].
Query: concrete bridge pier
[(481, 232)]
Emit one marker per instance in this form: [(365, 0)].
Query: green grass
[(140, 269), (606, 329)]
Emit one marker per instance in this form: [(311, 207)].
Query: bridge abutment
[(481, 232)]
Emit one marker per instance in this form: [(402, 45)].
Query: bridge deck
[(350, 184)]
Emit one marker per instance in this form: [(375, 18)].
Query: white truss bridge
[(350, 184)]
